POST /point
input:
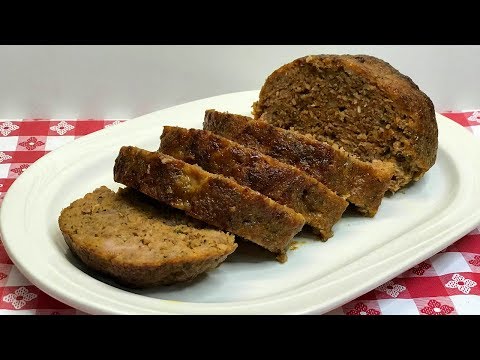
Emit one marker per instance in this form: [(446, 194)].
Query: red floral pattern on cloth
[(20, 169), (475, 117), (362, 309), (420, 268), (7, 127), (436, 308), (4, 156), (445, 284), (461, 283), (31, 143), (62, 127), (475, 261), (392, 289), (19, 297)]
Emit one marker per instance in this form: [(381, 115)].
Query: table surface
[(445, 284)]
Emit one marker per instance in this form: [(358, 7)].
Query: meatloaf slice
[(362, 184), (212, 198), (138, 241), (284, 183), (360, 103)]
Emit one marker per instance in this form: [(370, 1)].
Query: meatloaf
[(138, 241), (362, 184), (358, 102), (212, 198), (284, 183)]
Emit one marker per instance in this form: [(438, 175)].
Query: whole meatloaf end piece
[(212, 198), (360, 103), (139, 241), (281, 182), (362, 184)]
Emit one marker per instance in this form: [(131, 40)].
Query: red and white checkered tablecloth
[(447, 283)]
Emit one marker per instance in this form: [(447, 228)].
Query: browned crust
[(144, 275), (215, 199), (281, 182), (403, 92), (135, 270), (362, 183)]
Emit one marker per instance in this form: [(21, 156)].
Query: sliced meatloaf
[(281, 182), (212, 198), (362, 184), (360, 103), (140, 242)]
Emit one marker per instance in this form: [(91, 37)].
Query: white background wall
[(129, 81)]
